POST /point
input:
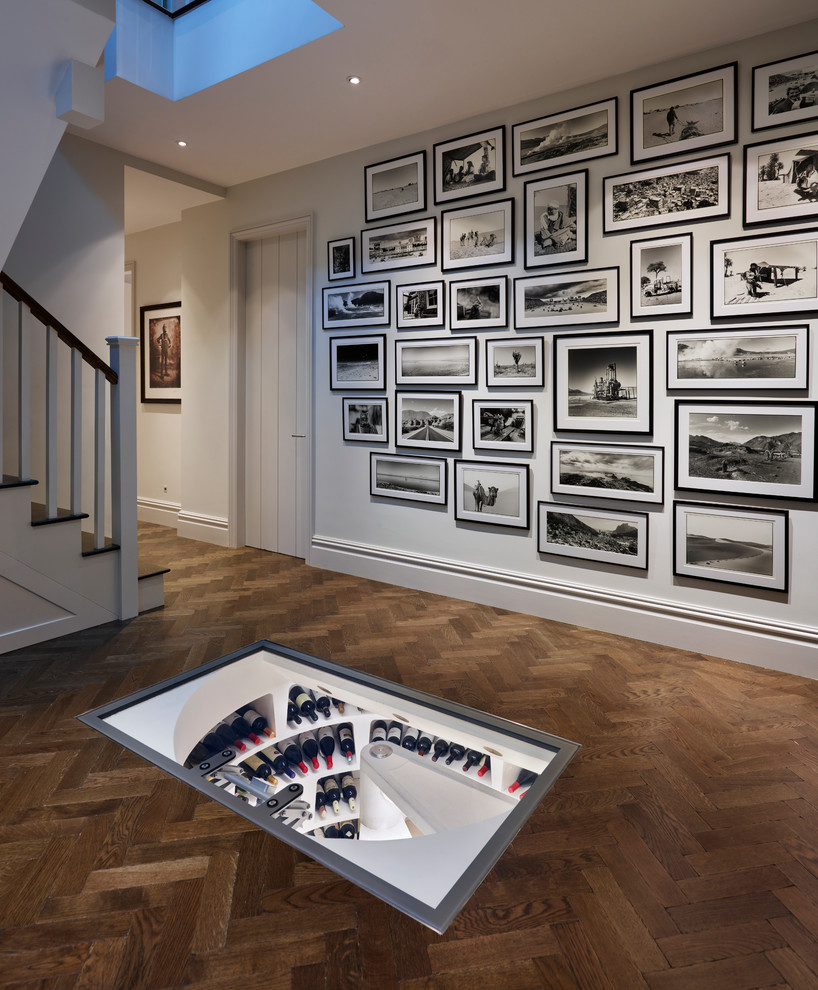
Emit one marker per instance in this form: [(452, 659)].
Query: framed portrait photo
[(479, 303), (470, 165), (365, 419), (562, 139), (661, 196), (764, 274), (357, 363), (410, 478), (400, 245), (420, 305), (556, 220), (515, 361), (395, 187), (559, 299), (363, 305), (428, 420), (603, 382), (626, 472), (683, 115), (606, 536), (731, 544), (746, 448), (503, 424), (785, 92), (477, 236), (160, 332), (436, 361), (492, 493), (739, 358), (662, 276), (341, 259), (781, 180)]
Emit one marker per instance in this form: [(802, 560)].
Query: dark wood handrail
[(65, 335)]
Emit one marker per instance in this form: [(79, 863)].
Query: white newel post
[(123, 360)]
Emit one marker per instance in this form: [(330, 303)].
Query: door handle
[(300, 436)]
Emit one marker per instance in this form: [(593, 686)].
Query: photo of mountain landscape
[(612, 537)]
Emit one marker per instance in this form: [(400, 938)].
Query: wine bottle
[(349, 790), (242, 728), (322, 703), (524, 778), (200, 752), (440, 748), (378, 731), (339, 705), (303, 702), (326, 743), (318, 833), (394, 733), (485, 766), (410, 739), (309, 747), (346, 742), (472, 757), (332, 793), (257, 767), (258, 723), (320, 802), (332, 832), (456, 752), (228, 737), (293, 754), (348, 830), (277, 760), (293, 716), (424, 744)]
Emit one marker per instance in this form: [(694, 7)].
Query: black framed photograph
[(395, 187), (492, 492), (731, 544), (503, 424), (556, 220), (363, 305), (781, 180), (470, 165), (515, 361), (605, 536), (603, 382), (684, 115), (436, 361), (477, 236), (341, 259), (410, 244), (479, 303), (420, 305), (785, 92), (357, 363), (746, 448), (408, 477), (365, 419), (662, 276), (764, 274), (428, 420), (666, 195), (626, 472), (562, 139), (160, 333), (739, 358), (560, 299)]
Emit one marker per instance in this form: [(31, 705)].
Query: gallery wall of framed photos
[(603, 297)]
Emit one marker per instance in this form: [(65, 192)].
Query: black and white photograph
[(428, 420), (746, 448), (400, 245), (556, 220), (567, 298), (477, 236), (781, 180), (436, 361), (341, 259), (562, 139), (624, 472), (764, 274), (357, 363), (470, 165), (515, 361), (414, 479), (785, 92), (420, 305), (770, 357), (606, 536), (603, 382), (479, 303), (731, 544), (362, 305), (503, 424), (492, 492), (662, 277), (365, 419), (670, 194), (681, 116), (395, 187)]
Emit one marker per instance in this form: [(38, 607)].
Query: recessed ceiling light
[(182, 144), (353, 80)]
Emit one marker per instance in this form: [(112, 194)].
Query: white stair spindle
[(99, 459), (76, 432), (23, 399), (2, 349), (51, 399)]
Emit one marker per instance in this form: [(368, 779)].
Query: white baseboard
[(206, 529), (733, 636), (158, 511)]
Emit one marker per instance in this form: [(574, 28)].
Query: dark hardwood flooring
[(678, 852)]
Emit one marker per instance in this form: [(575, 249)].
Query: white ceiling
[(423, 64)]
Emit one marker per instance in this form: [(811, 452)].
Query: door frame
[(239, 239)]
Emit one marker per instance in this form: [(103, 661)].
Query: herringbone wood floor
[(678, 852)]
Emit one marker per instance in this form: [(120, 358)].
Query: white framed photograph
[(605, 536), (558, 299), (365, 419), (409, 478), (477, 236), (436, 361), (365, 304), (479, 303), (556, 220), (515, 361), (492, 493), (503, 424), (357, 363), (785, 92), (781, 180), (420, 305), (410, 244), (662, 276), (562, 139), (395, 187), (428, 420), (470, 165), (627, 472)]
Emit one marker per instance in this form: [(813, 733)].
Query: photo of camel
[(488, 492)]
